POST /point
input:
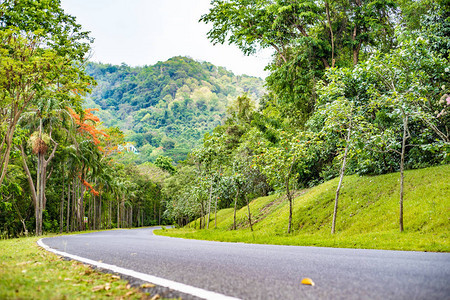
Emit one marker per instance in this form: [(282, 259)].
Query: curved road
[(250, 271)]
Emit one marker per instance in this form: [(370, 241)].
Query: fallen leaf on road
[(156, 297), (147, 285), (307, 281)]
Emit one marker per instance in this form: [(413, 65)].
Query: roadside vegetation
[(368, 216), (30, 272)]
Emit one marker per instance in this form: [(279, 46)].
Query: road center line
[(184, 288)]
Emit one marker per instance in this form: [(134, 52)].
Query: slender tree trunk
[(138, 217), (110, 214), (289, 195), (402, 167), (74, 206), (100, 214), (327, 9), (235, 208), (83, 207), (341, 177), (159, 214), (249, 214), (94, 217), (22, 220), (209, 204), (77, 206), (131, 216), (215, 214), (68, 208), (202, 215), (118, 212), (61, 208), (356, 45), (6, 154)]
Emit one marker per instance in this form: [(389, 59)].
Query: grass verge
[(29, 272), (367, 215)]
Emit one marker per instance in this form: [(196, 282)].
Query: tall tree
[(41, 51)]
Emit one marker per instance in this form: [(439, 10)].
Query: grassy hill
[(367, 215)]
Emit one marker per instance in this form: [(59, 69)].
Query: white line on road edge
[(184, 288)]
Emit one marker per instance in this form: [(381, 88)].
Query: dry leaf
[(115, 276), (128, 286), (307, 281), (147, 285), (156, 297), (107, 286), (98, 288), (129, 293)]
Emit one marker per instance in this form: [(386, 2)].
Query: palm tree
[(49, 114)]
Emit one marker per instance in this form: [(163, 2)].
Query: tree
[(408, 82), (41, 49), (165, 163), (280, 161), (307, 36), (342, 108)]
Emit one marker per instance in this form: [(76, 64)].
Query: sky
[(143, 32)]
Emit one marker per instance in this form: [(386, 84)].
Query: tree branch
[(29, 178)]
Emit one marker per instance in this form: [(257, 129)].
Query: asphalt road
[(250, 271)]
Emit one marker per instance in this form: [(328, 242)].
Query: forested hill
[(168, 107)]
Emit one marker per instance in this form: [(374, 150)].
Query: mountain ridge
[(170, 104)]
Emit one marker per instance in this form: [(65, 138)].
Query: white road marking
[(184, 288)]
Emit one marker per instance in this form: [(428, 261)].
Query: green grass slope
[(367, 215)]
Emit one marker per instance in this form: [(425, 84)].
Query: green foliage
[(368, 215), (165, 163), (171, 104)]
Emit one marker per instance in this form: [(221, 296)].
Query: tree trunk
[(100, 215), (61, 207), (159, 214), (249, 214), (288, 194), (74, 206), (68, 209), (327, 9), (215, 214), (235, 207), (6, 154), (209, 204), (356, 46), (38, 190), (118, 212), (131, 216), (402, 166), (341, 177), (110, 215)]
